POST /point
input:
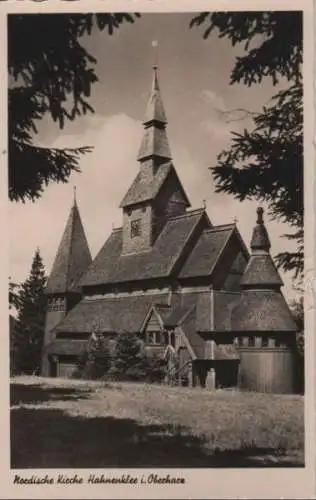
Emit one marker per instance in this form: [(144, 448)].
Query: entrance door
[(184, 365), (66, 369), (227, 373)]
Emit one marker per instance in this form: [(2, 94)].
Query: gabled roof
[(205, 255), (110, 266), (145, 188), (113, 315), (161, 311), (73, 257)]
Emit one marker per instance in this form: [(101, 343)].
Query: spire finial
[(260, 212), (154, 44), (75, 198), (204, 204)]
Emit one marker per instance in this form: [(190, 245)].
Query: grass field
[(65, 423)]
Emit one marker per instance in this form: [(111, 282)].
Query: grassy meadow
[(59, 423)]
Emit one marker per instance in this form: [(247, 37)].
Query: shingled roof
[(73, 256), (67, 347), (113, 315), (262, 306), (261, 272), (202, 260), (145, 187), (155, 141), (262, 310), (110, 266)]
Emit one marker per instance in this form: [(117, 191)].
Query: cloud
[(106, 174), (214, 99)]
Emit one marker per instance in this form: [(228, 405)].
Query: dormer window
[(154, 338), (135, 228)]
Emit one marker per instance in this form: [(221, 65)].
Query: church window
[(265, 341), (172, 339), (279, 343), (135, 228), (153, 338), (251, 341)]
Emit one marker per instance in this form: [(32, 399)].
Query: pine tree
[(98, 359), (51, 74), (265, 162), (128, 357), (13, 295), (29, 331)]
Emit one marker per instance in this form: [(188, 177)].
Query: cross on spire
[(154, 44)]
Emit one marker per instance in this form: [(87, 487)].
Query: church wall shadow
[(36, 393)]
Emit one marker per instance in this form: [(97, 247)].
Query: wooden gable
[(231, 264)]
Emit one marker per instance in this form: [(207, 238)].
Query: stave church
[(185, 286)]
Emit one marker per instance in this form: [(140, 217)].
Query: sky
[(194, 81)]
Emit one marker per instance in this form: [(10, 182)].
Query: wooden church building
[(189, 289)]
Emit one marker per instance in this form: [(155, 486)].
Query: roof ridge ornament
[(260, 213)]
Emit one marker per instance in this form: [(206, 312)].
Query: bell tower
[(156, 192), (62, 290)]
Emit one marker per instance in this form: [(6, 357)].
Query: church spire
[(260, 272), (73, 255), (155, 144)]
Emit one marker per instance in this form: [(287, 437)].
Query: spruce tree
[(52, 74), (265, 161), (128, 357), (98, 357), (29, 331)]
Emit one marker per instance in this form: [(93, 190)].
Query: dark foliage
[(297, 308), (13, 295), (266, 163), (120, 359), (50, 73), (27, 340), (95, 361), (128, 358)]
